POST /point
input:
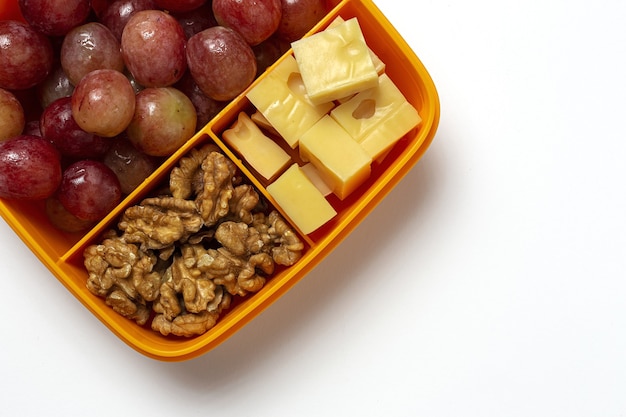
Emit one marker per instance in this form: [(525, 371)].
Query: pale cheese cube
[(301, 201), (377, 118), (378, 63), (260, 151), (281, 98), (342, 162), (335, 62)]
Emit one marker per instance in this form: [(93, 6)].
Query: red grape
[(177, 6), (89, 190), (268, 52), (59, 127), (299, 16), (221, 62), (30, 168), (196, 20), (129, 164), (99, 7), (55, 86), (103, 102), (32, 128), (26, 58), (117, 13), (55, 17), (255, 20), (90, 47), (153, 47), (63, 219), (12, 120), (164, 120), (206, 107)]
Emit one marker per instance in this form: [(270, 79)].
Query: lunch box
[(62, 253)]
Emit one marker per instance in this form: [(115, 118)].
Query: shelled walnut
[(177, 259), (123, 274), (160, 222)]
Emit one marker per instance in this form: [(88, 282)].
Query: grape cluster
[(94, 94)]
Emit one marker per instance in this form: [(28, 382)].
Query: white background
[(490, 282)]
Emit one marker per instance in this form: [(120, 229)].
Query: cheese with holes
[(340, 160), (335, 62), (301, 201), (281, 98), (377, 118), (378, 63), (263, 154)]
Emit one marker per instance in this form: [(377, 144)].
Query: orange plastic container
[(62, 253)]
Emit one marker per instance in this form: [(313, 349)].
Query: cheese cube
[(378, 63), (377, 118), (261, 121), (342, 162), (301, 201), (281, 98), (335, 63), (314, 175), (260, 151)]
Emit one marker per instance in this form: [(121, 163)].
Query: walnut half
[(123, 274)]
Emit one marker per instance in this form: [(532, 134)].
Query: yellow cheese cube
[(301, 201), (378, 63), (314, 175), (281, 98), (377, 118), (391, 130), (285, 68), (260, 151), (335, 63), (262, 122), (342, 162)]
